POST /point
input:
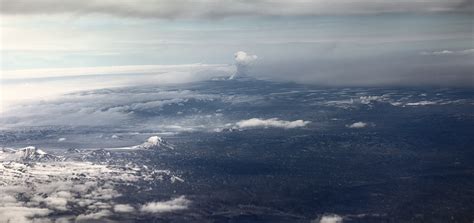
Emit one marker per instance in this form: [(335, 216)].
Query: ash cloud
[(450, 69), (243, 61)]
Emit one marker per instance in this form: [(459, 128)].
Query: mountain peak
[(155, 142), (29, 153)]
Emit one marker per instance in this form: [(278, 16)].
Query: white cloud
[(179, 203), (449, 52), (124, 208), (102, 107), (272, 122), (243, 58), (331, 219), (108, 70), (421, 103), (21, 214), (56, 202), (46, 85), (92, 216), (225, 8), (357, 125), (112, 106)]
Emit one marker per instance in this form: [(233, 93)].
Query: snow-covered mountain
[(28, 154), (154, 142)]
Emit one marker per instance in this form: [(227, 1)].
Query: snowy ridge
[(27, 154)]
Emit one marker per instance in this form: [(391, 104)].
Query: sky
[(328, 43)]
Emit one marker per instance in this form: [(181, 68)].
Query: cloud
[(21, 214), (331, 219), (350, 102), (449, 52), (225, 8), (76, 72), (17, 85), (161, 108), (357, 125), (242, 63), (47, 83), (99, 109), (242, 58), (392, 69), (92, 216), (421, 103), (56, 202), (179, 203), (272, 122), (124, 208)]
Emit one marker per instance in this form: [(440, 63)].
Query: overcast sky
[(343, 42)]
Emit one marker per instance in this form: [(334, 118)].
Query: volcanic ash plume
[(242, 63)]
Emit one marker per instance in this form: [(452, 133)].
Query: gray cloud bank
[(450, 70), (225, 8)]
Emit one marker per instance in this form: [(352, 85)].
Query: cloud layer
[(226, 8), (179, 203), (445, 68), (272, 122), (18, 85), (449, 52)]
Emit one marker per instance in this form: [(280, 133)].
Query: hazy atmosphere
[(236, 111)]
